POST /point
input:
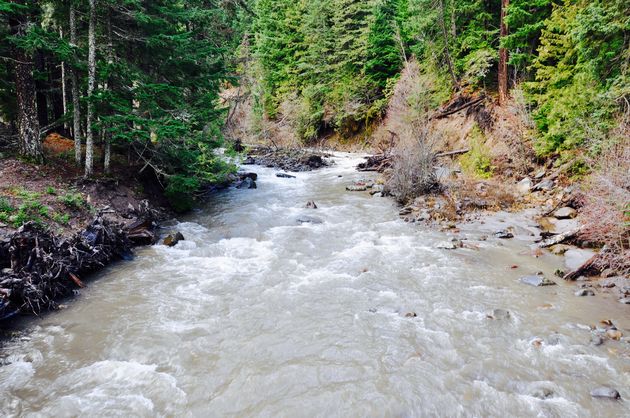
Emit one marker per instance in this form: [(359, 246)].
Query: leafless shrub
[(413, 172), (606, 210)]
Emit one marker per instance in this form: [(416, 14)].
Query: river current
[(356, 314)]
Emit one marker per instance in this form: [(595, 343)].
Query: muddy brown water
[(256, 314)]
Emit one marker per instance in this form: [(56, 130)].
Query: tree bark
[(27, 121), (76, 104), (449, 62), (107, 137), (64, 84), (503, 57), (89, 140)]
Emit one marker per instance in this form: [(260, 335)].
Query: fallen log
[(467, 105), (450, 153), (557, 239), (588, 268)]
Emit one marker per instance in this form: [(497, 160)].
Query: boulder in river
[(449, 245), (357, 187), (285, 176), (171, 240), (537, 280), (244, 175), (500, 314), (311, 205), (504, 234), (247, 183), (605, 392), (585, 292)]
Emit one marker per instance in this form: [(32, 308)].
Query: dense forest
[(145, 78), (333, 62)]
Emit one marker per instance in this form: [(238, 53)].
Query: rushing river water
[(256, 314)]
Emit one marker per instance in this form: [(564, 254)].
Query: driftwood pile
[(378, 163), (38, 267)]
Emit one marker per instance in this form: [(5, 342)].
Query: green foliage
[(477, 161), (72, 200), (51, 190)]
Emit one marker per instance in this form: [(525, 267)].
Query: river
[(256, 314)]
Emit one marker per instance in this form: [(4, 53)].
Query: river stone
[(449, 245), (356, 188), (560, 249), (614, 334), (537, 280), (498, 314), (171, 240), (575, 257), (311, 205), (304, 219), (625, 301), (247, 183), (504, 234), (285, 176), (565, 213), (596, 340), (605, 392), (244, 175), (585, 292), (524, 186), (542, 393), (405, 211)]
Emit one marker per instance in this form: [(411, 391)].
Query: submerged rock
[(536, 280), (500, 314), (247, 183), (285, 176), (585, 292), (605, 392), (172, 239), (311, 205), (304, 219), (250, 175), (449, 245), (504, 234)]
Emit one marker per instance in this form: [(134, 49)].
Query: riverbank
[(56, 228)]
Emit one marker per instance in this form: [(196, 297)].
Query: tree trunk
[(76, 126), (40, 90), (64, 90), (449, 62), (27, 121), (89, 141), (503, 57), (107, 137)]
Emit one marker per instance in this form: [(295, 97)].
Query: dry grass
[(606, 210)]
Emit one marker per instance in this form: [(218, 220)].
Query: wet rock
[(565, 213), (605, 392), (614, 334), (285, 176), (504, 234), (449, 245), (596, 340), (625, 301), (244, 176), (542, 393), (309, 220), (585, 292), (358, 187), (311, 205), (405, 211), (411, 315), (171, 240), (247, 183), (499, 314), (249, 161), (536, 280), (524, 186), (560, 249)]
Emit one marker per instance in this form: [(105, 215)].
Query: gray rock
[(544, 185), (499, 314), (285, 176), (356, 188), (537, 280), (605, 392), (311, 205), (449, 245), (243, 176), (405, 211), (575, 257), (625, 301), (524, 186), (247, 183), (304, 219), (585, 292), (504, 234), (565, 213), (596, 340)]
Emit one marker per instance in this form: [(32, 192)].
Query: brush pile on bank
[(295, 160), (39, 267)]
